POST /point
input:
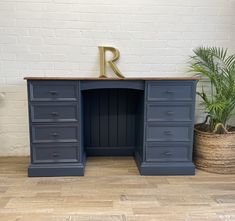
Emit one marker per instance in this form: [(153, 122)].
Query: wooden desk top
[(112, 79)]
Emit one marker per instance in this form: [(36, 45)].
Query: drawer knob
[(168, 132), (168, 154), (55, 154), (54, 134), (53, 92), (170, 113), (54, 114), (170, 92)]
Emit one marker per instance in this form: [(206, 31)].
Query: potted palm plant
[(214, 143)]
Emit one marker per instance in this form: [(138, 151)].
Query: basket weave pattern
[(214, 152)]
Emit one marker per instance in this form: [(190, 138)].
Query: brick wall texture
[(60, 38)]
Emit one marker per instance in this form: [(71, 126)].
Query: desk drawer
[(54, 112), (55, 153), (49, 133), (170, 91), (169, 112), (168, 132), (53, 90), (167, 153)]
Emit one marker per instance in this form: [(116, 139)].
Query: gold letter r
[(116, 55)]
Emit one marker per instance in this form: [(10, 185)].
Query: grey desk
[(149, 118)]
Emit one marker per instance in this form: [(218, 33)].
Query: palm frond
[(214, 64)]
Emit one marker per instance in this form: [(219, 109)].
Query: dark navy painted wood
[(172, 111), (81, 149), (167, 168), (54, 112), (97, 84), (104, 118), (69, 119), (110, 151), (94, 119), (54, 117), (163, 152), (55, 153), (166, 128), (110, 121), (122, 118), (140, 128), (54, 133), (132, 102), (113, 117), (170, 91), (168, 132), (56, 169), (53, 90)]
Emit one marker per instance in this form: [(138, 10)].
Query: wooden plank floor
[(113, 190)]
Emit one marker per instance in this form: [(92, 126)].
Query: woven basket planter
[(214, 152)]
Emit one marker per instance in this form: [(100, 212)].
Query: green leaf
[(214, 64)]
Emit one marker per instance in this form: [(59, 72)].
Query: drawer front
[(53, 90), (168, 132), (59, 112), (169, 112), (55, 153), (167, 153), (45, 133), (170, 91)]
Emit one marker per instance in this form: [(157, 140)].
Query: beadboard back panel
[(110, 121)]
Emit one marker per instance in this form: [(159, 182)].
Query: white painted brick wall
[(60, 38)]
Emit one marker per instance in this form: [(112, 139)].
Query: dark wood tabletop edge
[(111, 79)]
